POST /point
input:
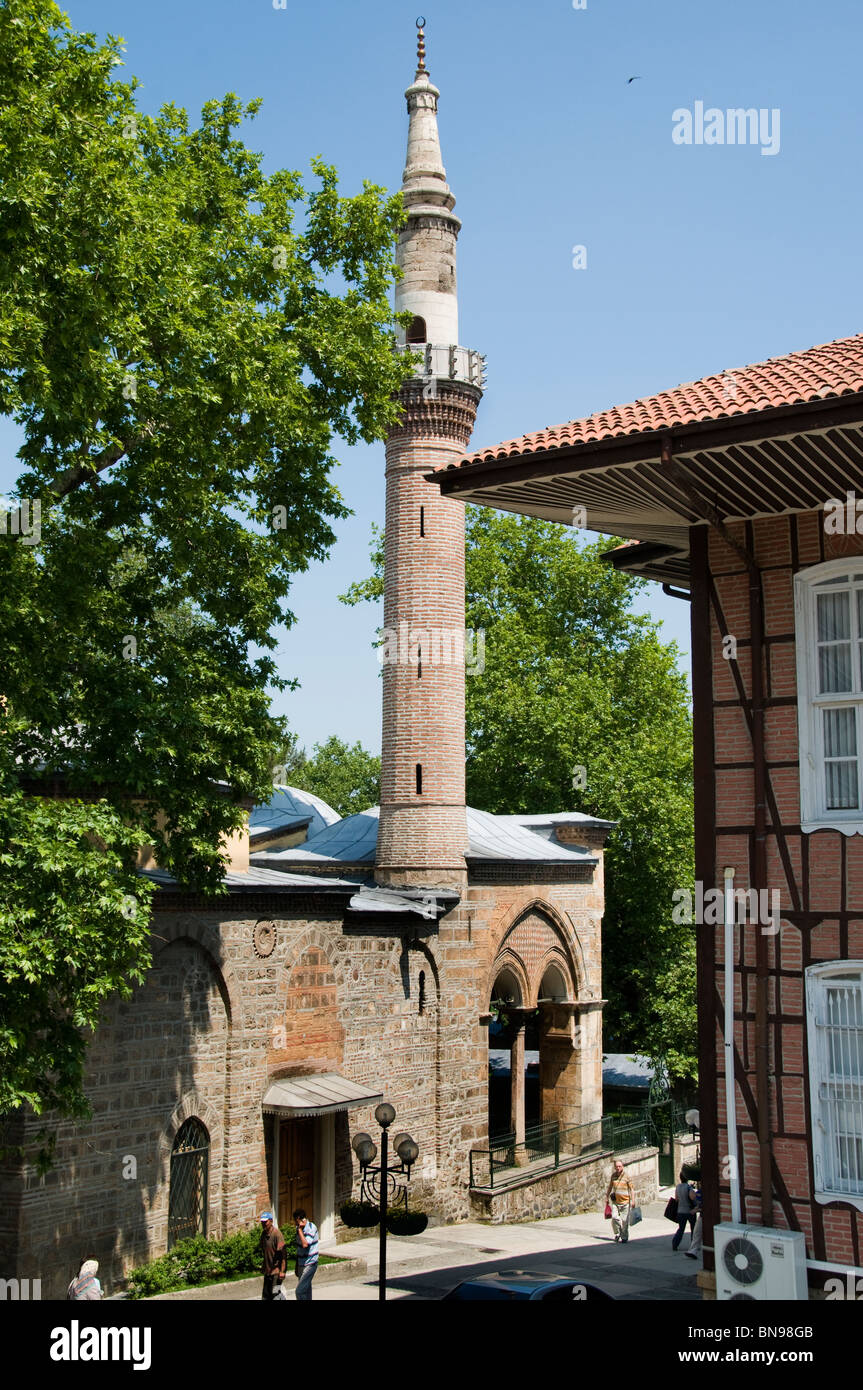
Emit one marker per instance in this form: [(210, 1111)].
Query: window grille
[(835, 1006), (187, 1204), (830, 692)]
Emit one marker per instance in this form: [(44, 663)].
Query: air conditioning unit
[(757, 1262)]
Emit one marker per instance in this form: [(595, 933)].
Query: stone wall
[(565, 1191), (685, 1150), (243, 993)]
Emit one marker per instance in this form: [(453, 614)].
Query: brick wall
[(819, 875), (423, 833)]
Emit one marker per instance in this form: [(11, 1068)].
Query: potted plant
[(354, 1213), (406, 1223)]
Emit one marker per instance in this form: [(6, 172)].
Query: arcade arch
[(535, 1061)]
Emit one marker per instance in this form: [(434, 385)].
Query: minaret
[(422, 836)]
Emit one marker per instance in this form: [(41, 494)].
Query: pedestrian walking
[(307, 1255), (695, 1241), (686, 1211), (275, 1258), (85, 1287), (619, 1193)]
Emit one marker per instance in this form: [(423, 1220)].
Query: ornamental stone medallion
[(264, 938)]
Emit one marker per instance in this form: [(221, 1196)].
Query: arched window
[(829, 635), (187, 1203), (417, 330)]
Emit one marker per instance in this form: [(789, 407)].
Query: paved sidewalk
[(425, 1267)]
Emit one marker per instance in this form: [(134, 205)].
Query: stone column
[(516, 1081)]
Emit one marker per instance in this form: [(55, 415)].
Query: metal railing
[(546, 1146), (442, 361), (543, 1149), (629, 1130), (631, 1126)]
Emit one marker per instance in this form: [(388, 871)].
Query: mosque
[(358, 959)]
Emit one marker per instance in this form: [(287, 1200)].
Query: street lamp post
[(379, 1180)]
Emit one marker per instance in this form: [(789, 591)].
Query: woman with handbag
[(620, 1195), (686, 1212)]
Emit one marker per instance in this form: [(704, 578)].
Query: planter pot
[(358, 1214), (406, 1223)]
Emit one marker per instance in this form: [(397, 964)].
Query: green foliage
[(406, 1223), (574, 679), (347, 778), (74, 926), (358, 1214), (181, 335), (200, 1260), (286, 761)]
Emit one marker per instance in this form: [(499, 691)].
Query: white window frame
[(824, 1088), (814, 813)]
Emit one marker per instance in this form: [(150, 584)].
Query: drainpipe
[(728, 1039), (709, 513), (762, 1065)]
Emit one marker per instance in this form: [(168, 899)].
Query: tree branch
[(87, 471)]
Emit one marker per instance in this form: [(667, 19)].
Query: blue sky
[(699, 258)]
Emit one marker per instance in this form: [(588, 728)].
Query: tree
[(580, 706), (180, 337), (286, 761), (347, 778)]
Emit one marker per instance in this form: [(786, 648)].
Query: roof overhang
[(298, 1097), (761, 463)]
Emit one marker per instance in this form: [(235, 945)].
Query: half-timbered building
[(743, 494)]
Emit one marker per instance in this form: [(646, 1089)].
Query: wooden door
[(296, 1169)]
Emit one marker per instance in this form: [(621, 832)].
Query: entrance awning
[(296, 1096)]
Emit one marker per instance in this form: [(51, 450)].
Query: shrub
[(355, 1213), (240, 1253), (199, 1259), (406, 1223)]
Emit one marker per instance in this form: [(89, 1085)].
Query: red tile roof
[(833, 369)]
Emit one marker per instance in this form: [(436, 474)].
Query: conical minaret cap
[(424, 179)]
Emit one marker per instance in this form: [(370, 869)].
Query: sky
[(699, 257)]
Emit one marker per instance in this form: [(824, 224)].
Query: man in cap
[(274, 1256)]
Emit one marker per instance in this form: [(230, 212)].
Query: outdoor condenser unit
[(757, 1262)]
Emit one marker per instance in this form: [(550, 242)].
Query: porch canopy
[(783, 436), (297, 1097)]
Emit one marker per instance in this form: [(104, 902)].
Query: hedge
[(200, 1260)]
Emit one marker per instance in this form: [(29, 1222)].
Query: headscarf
[(85, 1286)]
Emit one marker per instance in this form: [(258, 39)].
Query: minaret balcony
[(447, 362)]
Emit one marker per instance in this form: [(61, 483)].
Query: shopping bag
[(607, 1210), (635, 1217)]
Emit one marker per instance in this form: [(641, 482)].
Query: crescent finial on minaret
[(421, 44)]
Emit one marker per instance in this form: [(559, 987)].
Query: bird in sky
[(633, 79)]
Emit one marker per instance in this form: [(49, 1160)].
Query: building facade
[(740, 493)]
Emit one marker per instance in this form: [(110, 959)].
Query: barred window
[(829, 604), (187, 1202), (834, 1003)]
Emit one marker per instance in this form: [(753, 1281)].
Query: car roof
[(520, 1279)]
